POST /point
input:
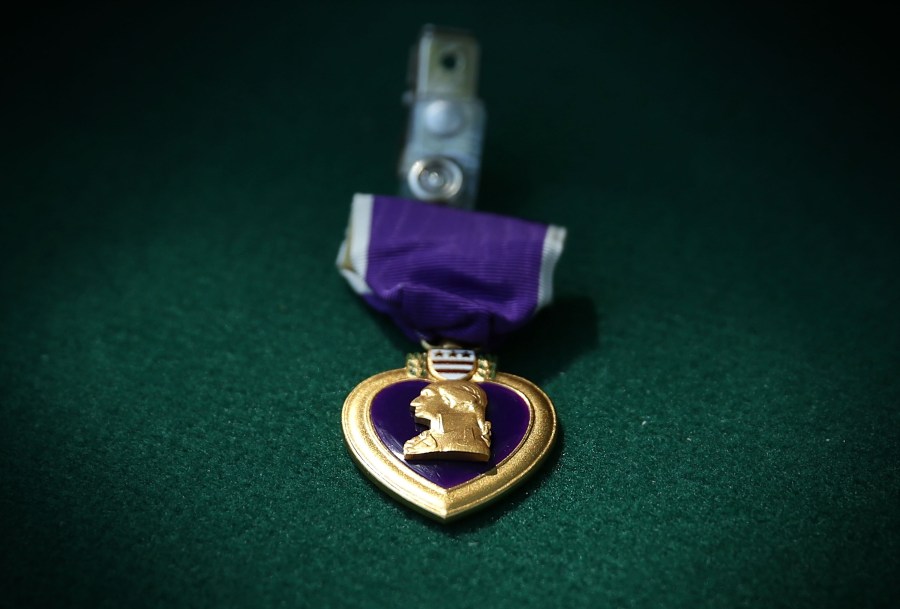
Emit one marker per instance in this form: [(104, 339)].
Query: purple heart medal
[(447, 433)]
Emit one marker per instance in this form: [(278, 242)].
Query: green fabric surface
[(177, 345)]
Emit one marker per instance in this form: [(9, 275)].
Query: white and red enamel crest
[(452, 364)]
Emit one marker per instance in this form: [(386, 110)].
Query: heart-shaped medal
[(448, 434)]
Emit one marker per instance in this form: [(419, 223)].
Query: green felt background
[(176, 344)]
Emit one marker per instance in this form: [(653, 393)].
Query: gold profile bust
[(455, 414)]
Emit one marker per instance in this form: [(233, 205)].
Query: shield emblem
[(468, 406), (451, 364)]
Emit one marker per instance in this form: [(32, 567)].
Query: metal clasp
[(441, 159)]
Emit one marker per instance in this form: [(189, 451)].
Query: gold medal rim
[(398, 480)]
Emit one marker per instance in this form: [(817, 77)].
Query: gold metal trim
[(395, 477)]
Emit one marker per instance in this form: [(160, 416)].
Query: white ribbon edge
[(554, 242), (353, 255)]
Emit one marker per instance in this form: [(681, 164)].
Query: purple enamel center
[(393, 420)]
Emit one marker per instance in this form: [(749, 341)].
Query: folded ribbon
[(446, 274)]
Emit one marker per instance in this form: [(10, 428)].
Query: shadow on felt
[(554, 339), (546, 346)]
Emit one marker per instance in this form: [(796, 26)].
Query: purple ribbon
[(446, 274)]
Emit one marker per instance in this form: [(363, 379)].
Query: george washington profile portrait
[(455, 414)]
